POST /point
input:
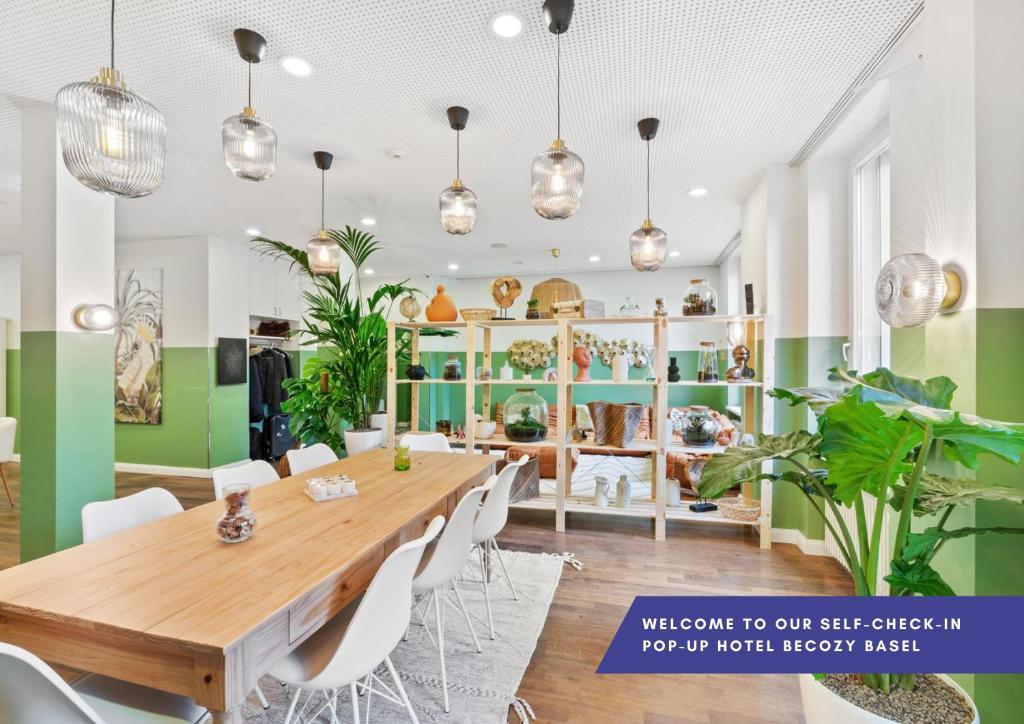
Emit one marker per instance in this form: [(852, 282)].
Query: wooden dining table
[(170, 606)]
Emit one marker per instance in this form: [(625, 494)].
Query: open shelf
[(612, 383), (695, 383), (639, 508), (431, 381)]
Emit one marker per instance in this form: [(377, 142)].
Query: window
[(869, 336)]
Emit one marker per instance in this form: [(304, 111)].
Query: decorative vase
[(360, 441), (673, 496), (409, 308), (707, 363), (602, 489), (673, 370), (823, 706), (485, 429), (526, 416), (506, 371), (442, 307), (624, 493), (629, 308), (415, 372), (238, 522), (452, 369), (582, 357), (402, 460), (620, 368)]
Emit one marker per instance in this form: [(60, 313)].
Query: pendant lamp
[(323, 252), (112, 140), (457, 203), (648, 244), (250, 145), (557, 173)]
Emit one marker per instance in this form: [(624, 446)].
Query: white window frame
[(876, 144)]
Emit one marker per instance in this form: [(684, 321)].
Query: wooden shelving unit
[(755, 408)]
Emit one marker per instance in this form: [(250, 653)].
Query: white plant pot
[(620, 368), (380, 420), (359, 441), (823, 706), (485, 429)]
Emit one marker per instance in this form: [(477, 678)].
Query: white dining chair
[(490, 521), (107, 517), (254, 472), (428, 441), (306, 458), (33, 693), (8, 426), (437, 577), (348, 649)]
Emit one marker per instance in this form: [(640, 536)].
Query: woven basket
[(477, 314), (615, 423), (739, 508)]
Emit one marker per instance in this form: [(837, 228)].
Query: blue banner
[(812, 634)]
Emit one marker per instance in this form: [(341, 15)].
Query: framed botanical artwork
[(138, 347)]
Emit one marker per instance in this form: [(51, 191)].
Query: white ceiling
[(738, 85)]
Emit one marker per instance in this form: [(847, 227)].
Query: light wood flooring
[(621, 560)]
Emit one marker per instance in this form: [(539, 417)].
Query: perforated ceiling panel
[(737, 84)]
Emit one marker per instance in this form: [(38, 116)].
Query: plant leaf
[(918, 577), (935, 492), (864, 448), (742, 464), (921, 545), (934, 392)]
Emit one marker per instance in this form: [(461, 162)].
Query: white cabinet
[(274, 290)]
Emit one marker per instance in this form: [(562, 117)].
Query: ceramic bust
[(441, 307), (581, 356)]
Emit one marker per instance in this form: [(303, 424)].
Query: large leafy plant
[(877, 434), (351, 332)]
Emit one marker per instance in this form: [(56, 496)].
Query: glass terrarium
[(700, 299), (697, 426), (707, 362), (526, 416)]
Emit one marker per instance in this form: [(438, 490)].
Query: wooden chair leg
[(7, 488)]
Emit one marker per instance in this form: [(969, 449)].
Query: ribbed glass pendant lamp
[(557, 173), (250, 145), (457, 203), (323, 252), (648, 244), (112, 140)]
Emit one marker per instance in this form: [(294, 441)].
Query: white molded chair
[(107, 517), (349, 647), (430, 441), (447, 559), (8, 426), (254, 472), (489, 522), (306, 458), (33, 693)]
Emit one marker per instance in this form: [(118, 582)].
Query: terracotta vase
[(441, 307)]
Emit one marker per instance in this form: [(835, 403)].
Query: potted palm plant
[(884, 437), (345, 384)]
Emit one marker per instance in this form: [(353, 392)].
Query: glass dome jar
[(700, 299), (452, 369), (707, 362), (526, 416), (629, 308), (238, 522), (697, 426)]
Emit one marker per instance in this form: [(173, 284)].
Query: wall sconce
[(913, 288), (95, 317)]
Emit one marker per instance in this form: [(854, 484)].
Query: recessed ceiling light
[(673, 253), (368, 221), (367, 271), (595, 258), (499, 245), (296, 66), (252, 231), (699, 191), (453, 266), (507, 25)]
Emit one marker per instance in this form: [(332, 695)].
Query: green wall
[(67, 421), (229, 418)]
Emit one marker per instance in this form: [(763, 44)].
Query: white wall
[(228, 279), (185, 265), (10, 297)]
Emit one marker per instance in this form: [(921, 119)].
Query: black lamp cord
[(558, 83), (457, 154), (321, 198), (648, 178), (249, 103), (112, 33)]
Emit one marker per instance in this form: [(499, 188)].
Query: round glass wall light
[(95, 317), (913, 288)]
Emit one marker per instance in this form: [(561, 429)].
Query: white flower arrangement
[(528, 354), (637, 354)]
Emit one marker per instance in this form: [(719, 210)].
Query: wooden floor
[(621, 560)]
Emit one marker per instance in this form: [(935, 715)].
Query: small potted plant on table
[(533, 309), (877, 435)]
